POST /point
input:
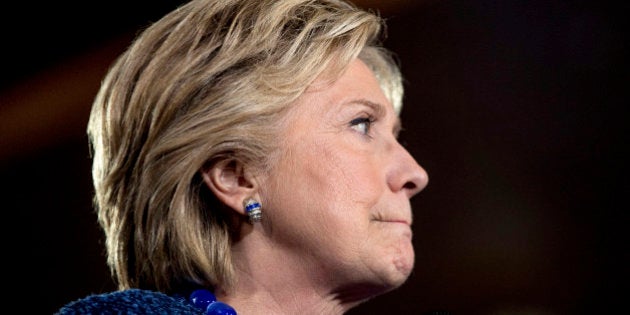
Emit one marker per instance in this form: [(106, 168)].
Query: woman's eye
[(361, 124)]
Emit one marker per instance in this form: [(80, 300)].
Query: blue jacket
[(131, 302)]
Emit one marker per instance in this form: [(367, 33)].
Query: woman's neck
[(270, 280)]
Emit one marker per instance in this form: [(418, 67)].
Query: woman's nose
[(406, 174)]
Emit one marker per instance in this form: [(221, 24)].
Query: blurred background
[(516, 109)]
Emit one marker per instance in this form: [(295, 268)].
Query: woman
[(245, 160)]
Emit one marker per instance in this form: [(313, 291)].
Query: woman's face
[(337, 201)]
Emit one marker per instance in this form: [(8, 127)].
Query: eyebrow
[(380, 111)]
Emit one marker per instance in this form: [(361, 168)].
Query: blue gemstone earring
[(253, 210)]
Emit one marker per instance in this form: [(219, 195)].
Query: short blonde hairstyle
[(208, 82)]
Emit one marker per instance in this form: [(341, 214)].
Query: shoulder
[(132, 301)]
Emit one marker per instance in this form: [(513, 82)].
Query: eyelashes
[(362, 124)]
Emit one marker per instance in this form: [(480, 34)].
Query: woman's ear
[(231, 182)]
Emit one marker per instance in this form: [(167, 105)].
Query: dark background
[(517, 110)]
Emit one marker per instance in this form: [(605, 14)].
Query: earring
[(253, 209)]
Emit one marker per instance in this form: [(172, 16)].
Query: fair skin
[(336, 227)]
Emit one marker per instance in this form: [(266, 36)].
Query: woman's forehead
[(358, 81)]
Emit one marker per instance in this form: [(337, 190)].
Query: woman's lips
[(401, 221)]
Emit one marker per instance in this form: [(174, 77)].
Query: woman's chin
[(403, 264)]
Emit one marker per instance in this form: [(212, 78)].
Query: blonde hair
[(208, 82)]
